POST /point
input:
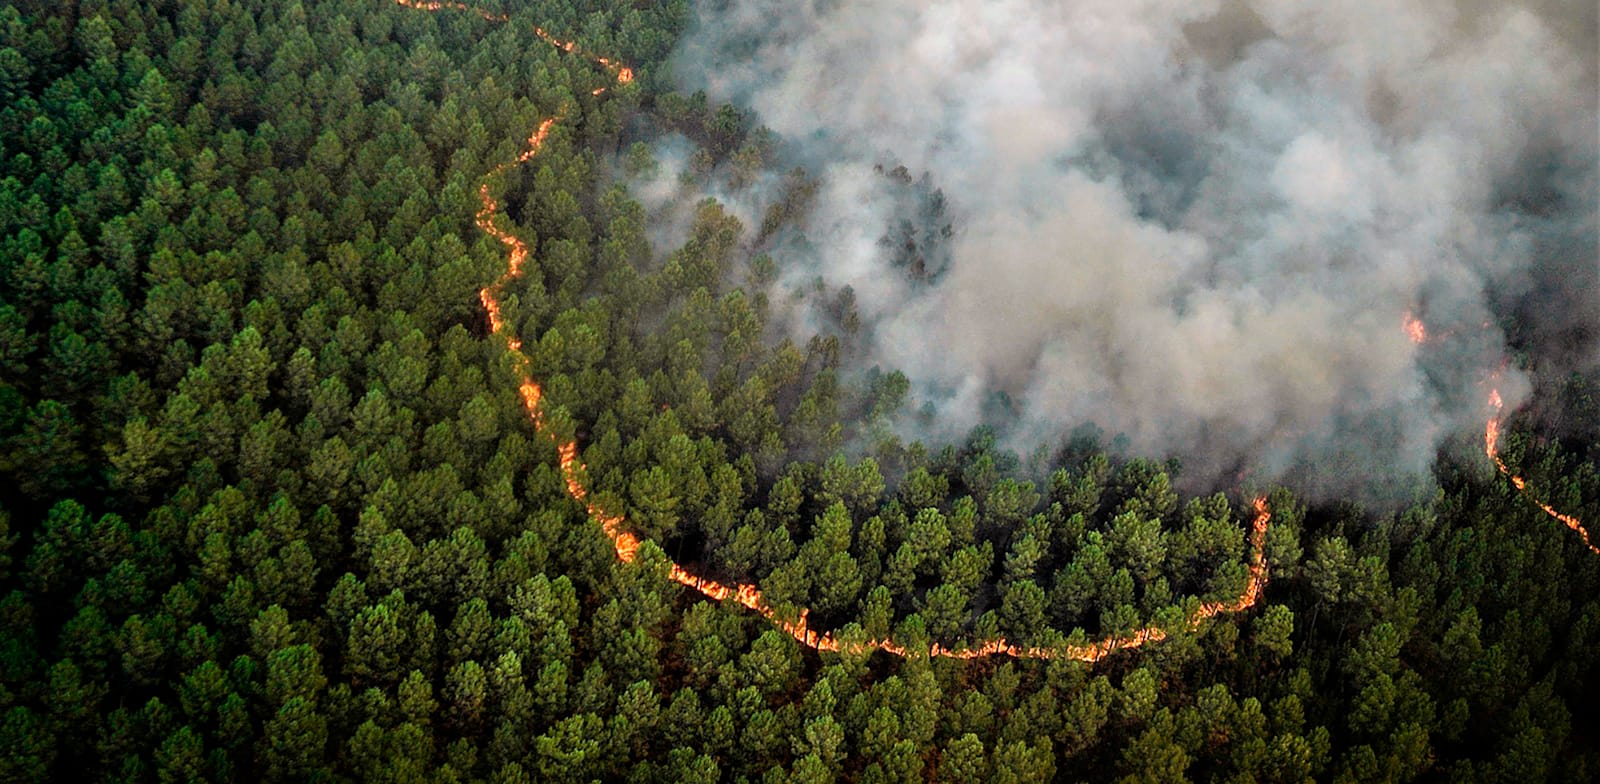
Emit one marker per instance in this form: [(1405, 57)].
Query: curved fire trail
[(1418, 333), (745, 594), (1491, 447)]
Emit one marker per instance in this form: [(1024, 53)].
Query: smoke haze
[(1196, 224)]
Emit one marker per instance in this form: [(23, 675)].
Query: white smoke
[(1198, 224)]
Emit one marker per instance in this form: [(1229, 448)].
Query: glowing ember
[(1415, 329), (1491, 447), (748, 596)]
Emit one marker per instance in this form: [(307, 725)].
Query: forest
[(278, 504)]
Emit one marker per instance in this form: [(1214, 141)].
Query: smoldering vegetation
[(1193, 227)]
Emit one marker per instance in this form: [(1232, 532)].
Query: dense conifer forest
[(272, 506)]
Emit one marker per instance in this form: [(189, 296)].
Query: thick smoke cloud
[(1196, 224)]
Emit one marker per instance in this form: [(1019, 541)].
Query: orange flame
[(440, 5), (1415, 329), (1491, 444), (1418, 333), (746, 595)]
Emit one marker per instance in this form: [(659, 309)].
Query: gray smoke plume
[(1196, 224)]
